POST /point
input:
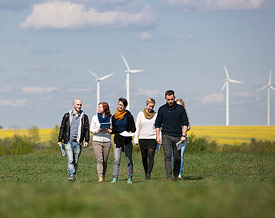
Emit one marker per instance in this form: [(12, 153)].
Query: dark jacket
[(64, 133), (171, 119), (119, 140)]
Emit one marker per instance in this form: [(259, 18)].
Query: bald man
[(73, 130)]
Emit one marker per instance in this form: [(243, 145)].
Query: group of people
[(167, 127)]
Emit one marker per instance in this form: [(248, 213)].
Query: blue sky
[(47, 47)]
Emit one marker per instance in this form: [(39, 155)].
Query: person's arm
[(86, 130), (138, 125), (158, 124), (62, 130), (93, 127), (185, 124)]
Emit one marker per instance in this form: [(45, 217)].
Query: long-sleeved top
[(83, 128), (98, 136), (171, 119), (119, 140), (145, 128)]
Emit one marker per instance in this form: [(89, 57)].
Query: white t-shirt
[(145, 128), (98, 136)]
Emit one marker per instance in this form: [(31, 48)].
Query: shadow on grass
[(192, 177)]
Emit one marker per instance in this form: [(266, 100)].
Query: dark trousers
[(169, 144)]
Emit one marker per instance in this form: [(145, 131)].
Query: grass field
[(214, 185), (220, 134)]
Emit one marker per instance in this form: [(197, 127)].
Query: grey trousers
[(128, 149), (169, 143), (102, 150)]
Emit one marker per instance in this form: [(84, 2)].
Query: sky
[(47, 48)]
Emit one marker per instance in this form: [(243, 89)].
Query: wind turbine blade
[(269, 82), (107, 76), (260, 89), (125, 62), (91, 72), (136, 71), (223, 86), (226, 72), (234, 81), (272, 88)]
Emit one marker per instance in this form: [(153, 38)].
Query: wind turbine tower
[(268, 87), (98, 80), (226, 85), (128, 71)]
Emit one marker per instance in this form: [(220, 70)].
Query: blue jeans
[(182, 150), (128, 149), (73, 150)]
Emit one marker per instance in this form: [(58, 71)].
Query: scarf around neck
[(119, 115), (148, 115), (105, 119)]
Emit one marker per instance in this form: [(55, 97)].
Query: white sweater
[(145, 128), (98, 136)]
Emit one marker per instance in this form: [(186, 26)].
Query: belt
[(73, 140)]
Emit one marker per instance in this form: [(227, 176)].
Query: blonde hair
[(181, 102), (150, 100)]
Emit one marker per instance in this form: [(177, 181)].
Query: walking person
[(101, 138), (122, 122), (173, 120), (73, 130), (182, 150), (146, 136)]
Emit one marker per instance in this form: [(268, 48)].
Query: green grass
[(214, 185)]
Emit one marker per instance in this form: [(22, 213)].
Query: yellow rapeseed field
[(220, 134)]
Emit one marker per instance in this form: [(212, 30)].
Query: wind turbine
[(268, 86), (226, 85), (128, 71), (98, 84)]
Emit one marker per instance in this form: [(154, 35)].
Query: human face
[(120, 106), (150, 107), (100, 109), (170, 99), (77, 105)]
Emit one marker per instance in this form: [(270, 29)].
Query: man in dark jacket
[(173, 120), (73, 130)]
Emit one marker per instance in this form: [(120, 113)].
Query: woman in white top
[(101, 139), (146, 136)]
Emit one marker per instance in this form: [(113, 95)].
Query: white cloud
[(213, 98), (149, 93), (219, 4), (13, 103), (38, 90), (145, 36), (67, 15)]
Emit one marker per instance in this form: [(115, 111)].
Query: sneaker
[(180, 177), (71, 178), (100, 179), (130, 180), (114, 180)]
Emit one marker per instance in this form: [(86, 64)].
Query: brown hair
[(150, 100), (124, 101), (106, 108), (169, 92)]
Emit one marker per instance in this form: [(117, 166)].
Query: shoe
[(180, 177), (130, 180), (114, 180), (100, 179), (147, 176), (71, 178)]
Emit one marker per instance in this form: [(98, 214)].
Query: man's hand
[(182, 139), (85, 144), (59, 144)]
